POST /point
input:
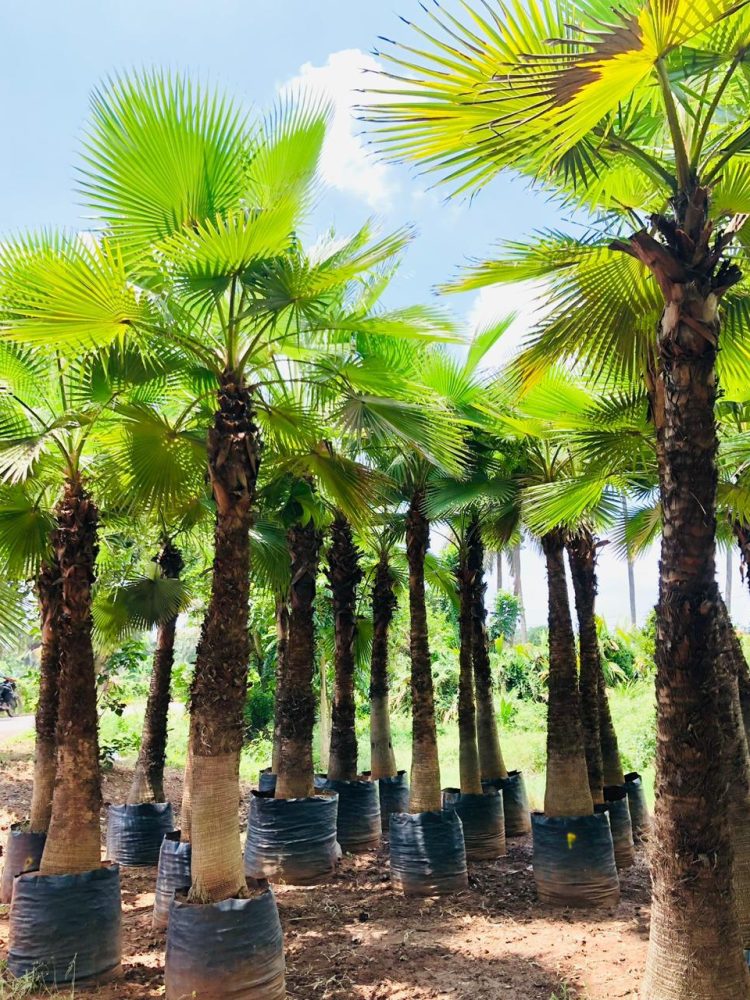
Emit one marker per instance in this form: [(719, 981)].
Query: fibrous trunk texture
[(49, 593), (742, 534), (491, 763), (424, 794), (695, 948), (148, 776), (73, 838), (186, 811), (297, 699), (470, 777), (282, 642), (344, 576), (324, 715), (219, 685), (736, 764), (567, 791), (382, 757), (614, 773), (582, 558)]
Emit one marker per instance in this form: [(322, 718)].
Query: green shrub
[(258, 711), (504, 616)]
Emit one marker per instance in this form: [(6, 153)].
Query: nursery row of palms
[(193, 362), (195, 340)]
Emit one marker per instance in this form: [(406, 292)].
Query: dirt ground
[(355, 939)]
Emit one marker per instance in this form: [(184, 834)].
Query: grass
[(523, 736), (29, 985)]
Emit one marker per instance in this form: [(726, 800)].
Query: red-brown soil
[(355, 939)]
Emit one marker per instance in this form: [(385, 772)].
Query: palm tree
[(344, 576), (598, 114), (26, 524), (296, 701), (53, 408), (384, 604)]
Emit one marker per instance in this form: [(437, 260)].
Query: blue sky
[(54, 54)]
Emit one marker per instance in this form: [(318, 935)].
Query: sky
[(52, 55)]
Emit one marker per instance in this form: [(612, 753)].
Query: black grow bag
[(358, 824), (394, 797), (23, 853), (639, 814), (515, 803), (291, 840), (574, 860), (66, 927), (223, 950), (482, 820), (428, 857), (172, 874), (616, 801), (135, 832)]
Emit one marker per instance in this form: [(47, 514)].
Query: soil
[(355, 939)]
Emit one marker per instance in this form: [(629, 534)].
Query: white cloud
[(347, 164), (524, 298)]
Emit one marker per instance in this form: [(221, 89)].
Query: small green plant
[(566, 993), (505, 615)]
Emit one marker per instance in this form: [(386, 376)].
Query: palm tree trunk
[(470, 777), (49, 592), (220, 682), (499, 558), (148, 776), (567, 792), (491, 763), (186, 810), (324, 716), (736, 765), (728, 583), (344, 575), (297, 700), (515, 564), (581, 549), (382, 757), (73, 838), (282, 642), (631, 568), (425, 794), (614, 773), (695, 946)]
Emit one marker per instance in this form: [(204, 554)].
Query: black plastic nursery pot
[(291, 840), (515, 803), (428, 857), (358, 825), (393, 793), (135, 832), (172, 874), (23, 853), (233, 950), (640, 818), (483, 822), (66, 928), (616, 801), (574, 860)]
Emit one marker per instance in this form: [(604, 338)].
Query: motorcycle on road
[(10, 699)]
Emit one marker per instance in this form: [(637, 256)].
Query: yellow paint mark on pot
[(571, 841)]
